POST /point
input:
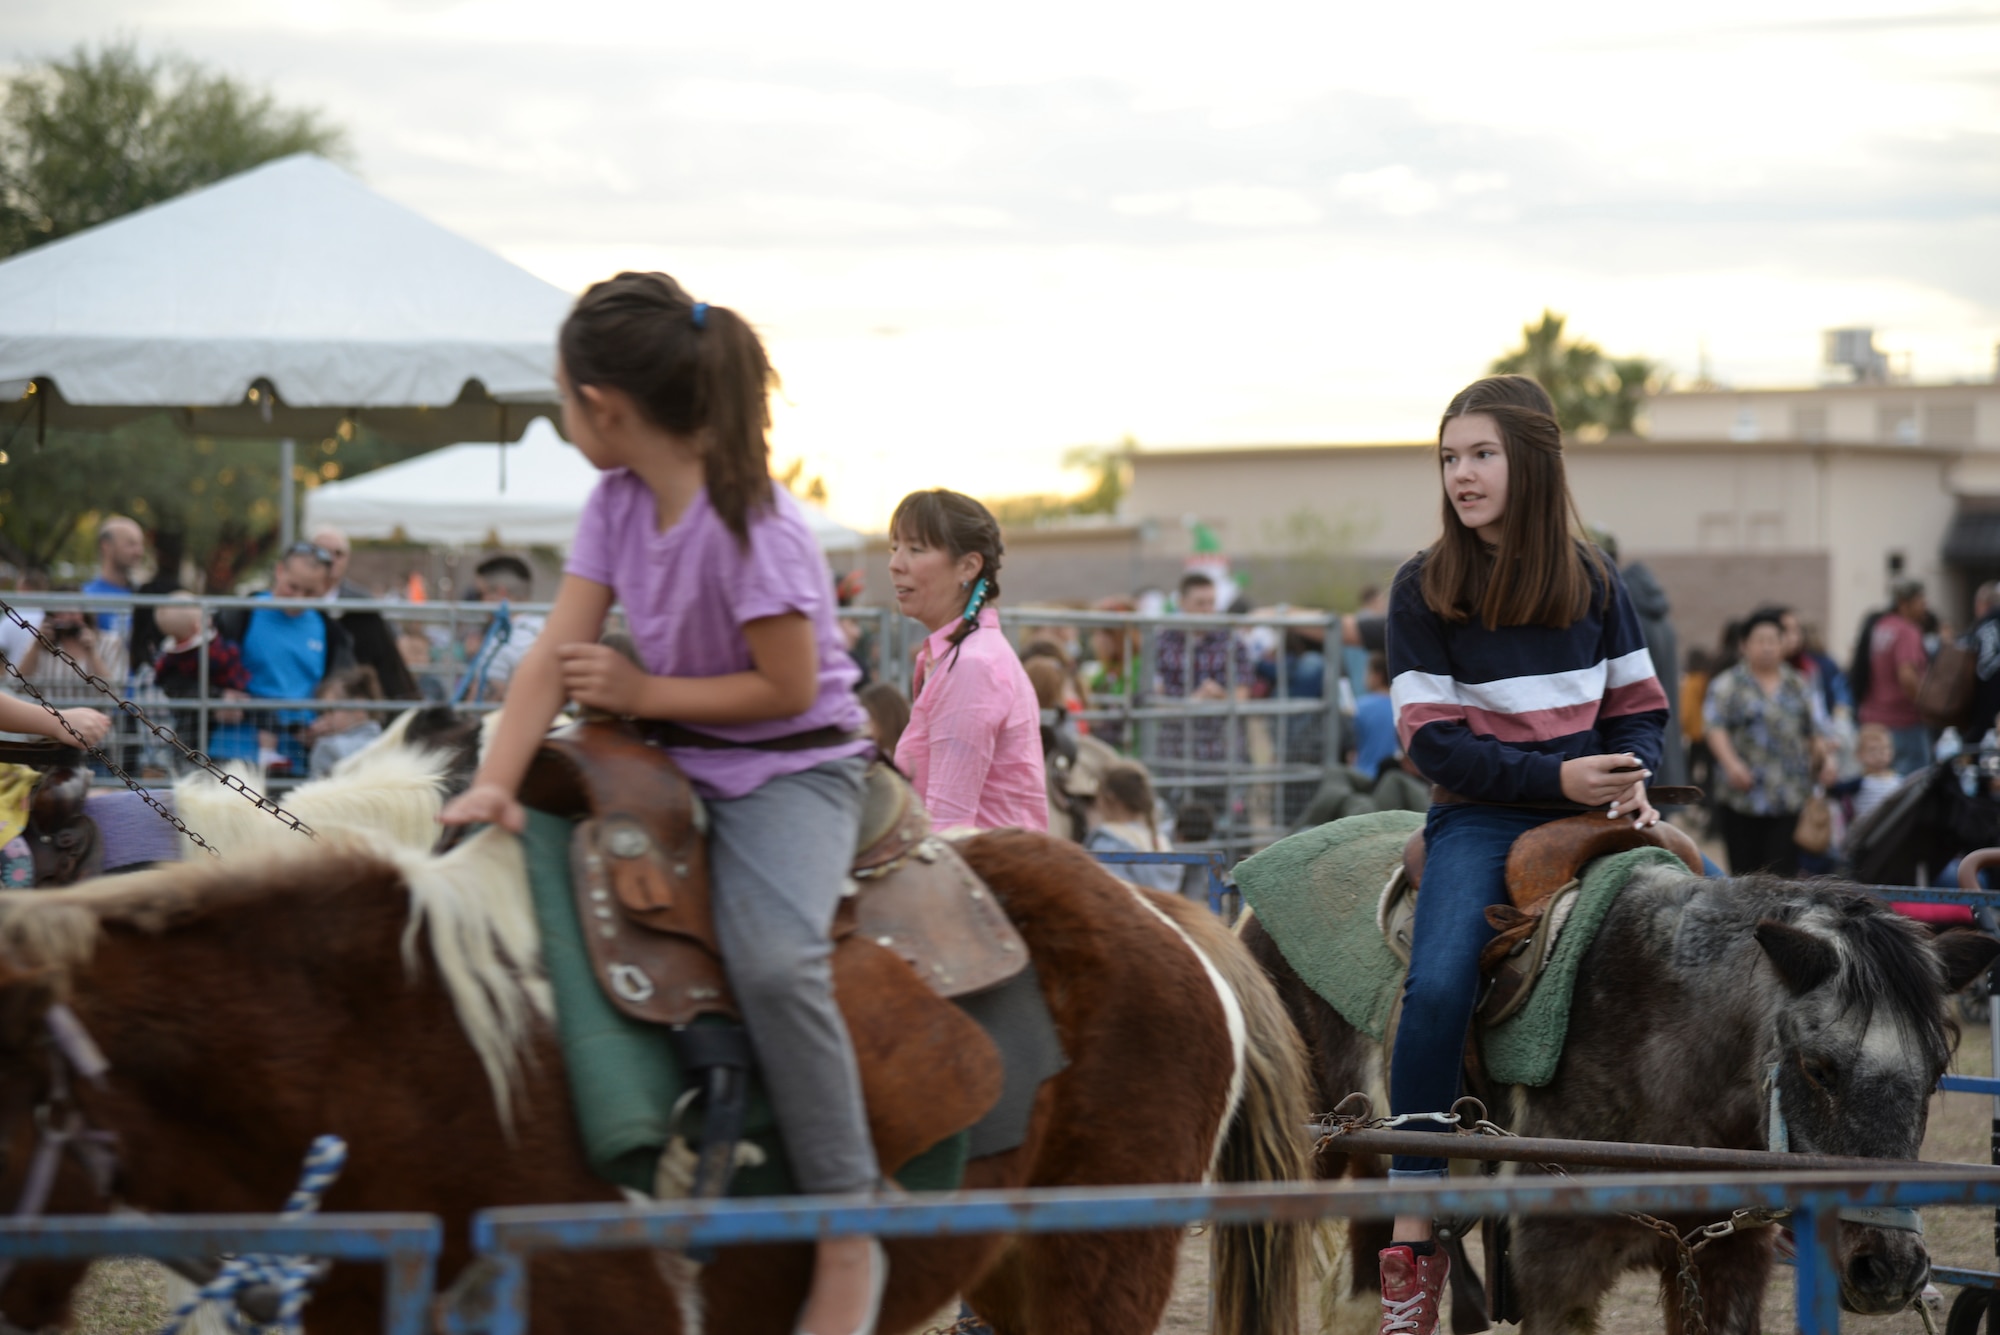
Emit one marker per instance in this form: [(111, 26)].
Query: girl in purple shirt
[(731, 608)]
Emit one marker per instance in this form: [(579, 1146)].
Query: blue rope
[(291, 1276), (498, 632)]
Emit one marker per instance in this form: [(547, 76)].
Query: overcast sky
[(975, 235)]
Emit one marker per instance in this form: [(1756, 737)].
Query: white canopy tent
[(525, 495), (280, 302)]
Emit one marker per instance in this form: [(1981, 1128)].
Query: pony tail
[(733, 383)]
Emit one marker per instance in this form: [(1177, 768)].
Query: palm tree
[(1594, 394)]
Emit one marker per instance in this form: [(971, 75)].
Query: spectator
[(288, 652), (373, 643), (121, 552), (973, 746), (1893, 662), (1302, 736), (1072, 761), (1693, 694), (888, 714), (1059, 742), (1760, 730), (177, 672), (1205, 666), (1649, 600), (1073, 695), (1375, 742), (338, 733), (1123, 821), (413, 646), (1984, 642), (505, 580), (1875, 750), (1111, 678), (98, 652), (1806, 655), (15, 639)]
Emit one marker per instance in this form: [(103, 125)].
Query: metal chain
[(1474, 1122), (196, 758)]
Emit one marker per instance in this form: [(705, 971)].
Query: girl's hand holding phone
[(1617, 781)]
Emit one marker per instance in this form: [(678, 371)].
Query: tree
[(212, 498), (87, 139), (104, 132), (1595, 395), (1110, 469)]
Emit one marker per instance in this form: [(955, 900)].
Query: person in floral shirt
[(1759, 722)]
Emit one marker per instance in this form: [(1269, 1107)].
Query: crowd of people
[(1793, 749)]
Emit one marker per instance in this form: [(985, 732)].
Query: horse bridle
[(1778, 1140)]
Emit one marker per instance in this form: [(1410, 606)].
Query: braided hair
[(956, 524)]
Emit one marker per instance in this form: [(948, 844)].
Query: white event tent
[(525, 495), (279, 302)]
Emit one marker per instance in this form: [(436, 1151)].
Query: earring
[(965, 584)]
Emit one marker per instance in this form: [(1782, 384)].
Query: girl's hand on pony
[(599, 677), (485, 804)]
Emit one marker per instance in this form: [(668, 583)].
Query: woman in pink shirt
[(973, 746)]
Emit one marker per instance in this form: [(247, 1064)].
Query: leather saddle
[(1544, 870), (64, 842), (916, 928)]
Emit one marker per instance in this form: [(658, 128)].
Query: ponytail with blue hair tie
[(976, 601)]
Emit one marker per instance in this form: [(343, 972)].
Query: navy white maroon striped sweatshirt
[(1492, 715)]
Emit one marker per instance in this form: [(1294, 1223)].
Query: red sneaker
[(1412, 1290)]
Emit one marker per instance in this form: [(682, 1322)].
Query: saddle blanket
[(625, 1079), (1317, 892)]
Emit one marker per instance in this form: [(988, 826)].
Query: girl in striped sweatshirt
[(1523, 691)]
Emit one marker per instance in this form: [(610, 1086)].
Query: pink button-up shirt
[(973, 746)]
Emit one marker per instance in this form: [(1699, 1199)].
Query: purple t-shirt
[(687, 593)]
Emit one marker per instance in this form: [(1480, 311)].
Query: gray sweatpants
[(780, 856)]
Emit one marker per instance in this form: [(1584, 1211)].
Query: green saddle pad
[(1316, 894), (623, 1075)]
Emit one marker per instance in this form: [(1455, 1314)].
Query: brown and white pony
[(394, 998)]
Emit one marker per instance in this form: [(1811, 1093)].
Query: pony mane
[(389, 789), (487, 947)]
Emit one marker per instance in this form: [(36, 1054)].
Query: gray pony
[(1697, 997)]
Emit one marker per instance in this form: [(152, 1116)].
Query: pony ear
[(1964, 954), (1803, 960)]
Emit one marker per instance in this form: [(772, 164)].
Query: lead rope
[(291, 1277)]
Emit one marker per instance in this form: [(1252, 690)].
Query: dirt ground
[(124, 1297)]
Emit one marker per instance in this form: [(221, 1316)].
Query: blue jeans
[(1465, 871)]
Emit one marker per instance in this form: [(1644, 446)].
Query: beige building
[(1815, 498)]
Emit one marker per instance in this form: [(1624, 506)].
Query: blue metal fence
[(507, 1238), (406, 1245)]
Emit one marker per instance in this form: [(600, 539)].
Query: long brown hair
[(958, 524), (1543, 572), (693, 369)]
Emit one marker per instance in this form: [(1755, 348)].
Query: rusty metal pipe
[(1602, 1154)]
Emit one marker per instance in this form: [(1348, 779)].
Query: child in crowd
[(1375, 741), (1124, 822), (338, 733), (184, 628), (1875, 751)]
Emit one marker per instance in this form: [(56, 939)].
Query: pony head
[(1863, 1038)]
